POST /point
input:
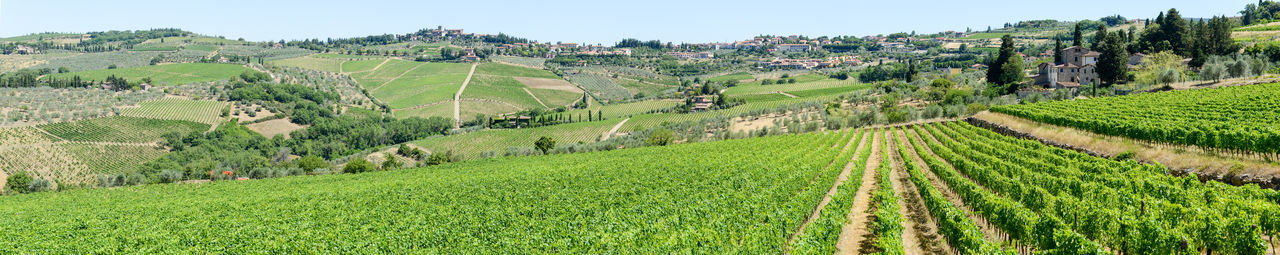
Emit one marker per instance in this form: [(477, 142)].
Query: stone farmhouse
[(1080, 67)]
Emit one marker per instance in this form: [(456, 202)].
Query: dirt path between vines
[(457, 98), (855, 235), (920, 233), (826, 199), (535, 98), (614, 130), (989, 232)]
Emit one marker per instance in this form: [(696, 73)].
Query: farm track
[(826, 199), (50, 134), (991, 233), (457, 98), (920, 234), (787, 94), (535, 98), (855, 235), (614, 130), (384, 84)]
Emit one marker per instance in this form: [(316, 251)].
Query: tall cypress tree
[(1176, 32), (1078, 35), (1114, 60), (1057, 50), (1102, 34)]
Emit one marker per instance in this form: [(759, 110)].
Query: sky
[(591, 22)]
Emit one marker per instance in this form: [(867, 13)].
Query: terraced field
[(756, 88), (171, 74)]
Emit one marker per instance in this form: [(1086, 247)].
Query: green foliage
[(18, 183), (312, 163), (1006, 70), (358, 165), (661, 137), (390, 163), (545, 144)]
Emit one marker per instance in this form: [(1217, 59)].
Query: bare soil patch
[(546, 83), (856, 235), (920, 235), (274, 127)]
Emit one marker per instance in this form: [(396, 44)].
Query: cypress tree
[(1078, 35), (1057, 50)]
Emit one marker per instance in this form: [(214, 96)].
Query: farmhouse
[(701, 103), (1080, 68), (793, 47), (23, 49)]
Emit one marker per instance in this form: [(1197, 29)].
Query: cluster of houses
[(692, 55), (834, 61), (22, 49)]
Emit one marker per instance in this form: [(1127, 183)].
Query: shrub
[(358, 165), (18, 183), (312, 163), (661, 137), (38, 185), (390, 163), (170, 176)]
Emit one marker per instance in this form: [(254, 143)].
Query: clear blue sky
[(568, 21)]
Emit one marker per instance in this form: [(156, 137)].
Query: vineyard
[(520, 61), (581, 203), (1236, 119), (404, 84), (121, 129), (112, 159), (169, 108), (601, 86)]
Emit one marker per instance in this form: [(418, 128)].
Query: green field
[(985, 36), (500, 88), (732, 77), (201, 111), (756, 88), (606, 202), (556, 98), (171, 74), (497, 69), (121, 129), (404, 84), (472, 144), (311, 62)]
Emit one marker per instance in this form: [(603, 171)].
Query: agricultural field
[(24, 106), (520, 61), (600, 86), (170, 74), (756, 88), (112, 158), (77, 62), (985, 36), (624, 110), (170, 108), (732, 77), (404, 84), (1241, 118), (507, 84), (328, 62), (601, 202), (1093, 203), (120, 129), (470, 145)]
